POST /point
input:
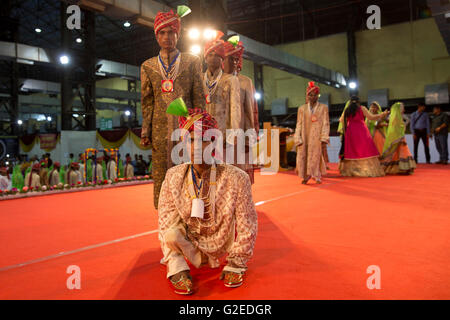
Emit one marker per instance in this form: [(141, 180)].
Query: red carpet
[(314, 242)]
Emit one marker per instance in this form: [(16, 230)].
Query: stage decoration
[(27, 142), (48, 141), (112, 138)]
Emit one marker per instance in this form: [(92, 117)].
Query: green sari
[(17, 178), (395, 131), (372, 124), (341, 126), (121, 174)]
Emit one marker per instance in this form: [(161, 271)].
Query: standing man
[(223, 100), (54, 174), (165, 78), (97, 170), (32, 179), (43, 173), (5, 181), (439, 127), (72, 176), (420, 128), (312, 131), (249, 106), (128, 170), (111, 167)]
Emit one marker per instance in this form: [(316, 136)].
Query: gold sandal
[(183, 286)]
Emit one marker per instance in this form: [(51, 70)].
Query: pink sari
[(358, 141)]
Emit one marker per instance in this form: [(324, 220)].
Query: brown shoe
[(182, 283)]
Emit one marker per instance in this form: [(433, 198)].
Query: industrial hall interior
[(224, 150)]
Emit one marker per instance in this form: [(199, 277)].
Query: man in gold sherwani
[(312, 131), (249, 107), (54, 174), (165, 78), (223, 100), (227, 224), (32, 179)]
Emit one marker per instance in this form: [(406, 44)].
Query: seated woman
[(360, 155), (206, 211), (377, 129), (396, 157)]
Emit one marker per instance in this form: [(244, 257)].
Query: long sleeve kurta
[(231, 230), (128, 171), (54, 178), (249, 109), (97, 174), (35, 180), (44, 177), (309, 136), (225, 104), (111, 170), (156, 124)]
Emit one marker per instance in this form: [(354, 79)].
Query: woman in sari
[(360, 155), (396, 157), (377, 129)]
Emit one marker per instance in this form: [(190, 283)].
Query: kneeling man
[(205, 212)]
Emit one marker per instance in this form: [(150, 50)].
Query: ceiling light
[(196, 49), (127, 24), (64, 59)]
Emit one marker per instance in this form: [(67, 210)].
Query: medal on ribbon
[(208, 99), (313, 118), (167, 86)]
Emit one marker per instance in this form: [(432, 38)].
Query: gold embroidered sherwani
[(111, 170), (35, 180), (248, 105), (156, 124), (225, 104), (308, 138), (129, 170), (231, 230), (54, 178)]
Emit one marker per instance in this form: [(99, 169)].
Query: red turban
[(216, 45), (197, 114), (36, 166), (167, 19), (312, 88), (74, 165), (231, 50), (57, 164)]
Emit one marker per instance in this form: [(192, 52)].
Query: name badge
[(313, 118), (167, 86), (198, 208)]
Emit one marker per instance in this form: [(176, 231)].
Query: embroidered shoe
[(183, 285), (233, 280)]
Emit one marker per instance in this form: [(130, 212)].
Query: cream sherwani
[(35, 180), (231, 230), (54, 178), (72, 177), (128, 171), (313, 128), (225, 104), (99, 172), (111, 170), (248, 104)]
